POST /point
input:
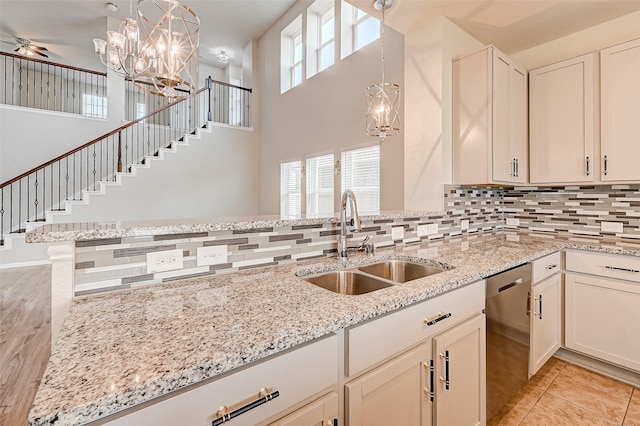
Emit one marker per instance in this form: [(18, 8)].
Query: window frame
[(321, 45)]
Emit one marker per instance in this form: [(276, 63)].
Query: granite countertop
[(121, 349), (101, 230)]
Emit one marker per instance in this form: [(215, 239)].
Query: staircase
[(50, 192)]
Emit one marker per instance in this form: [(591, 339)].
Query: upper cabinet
[(620, 103), (489, 119), (562, 120)]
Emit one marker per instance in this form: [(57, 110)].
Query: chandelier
[(383, 99), (158, 52)]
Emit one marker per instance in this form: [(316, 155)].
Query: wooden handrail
[(42, 61), (222, 83), (98, 139)]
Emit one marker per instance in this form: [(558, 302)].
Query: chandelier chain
[(382, 36)]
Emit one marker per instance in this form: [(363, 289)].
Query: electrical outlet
[(167, 260), (397, 233), (464, 224), (211, 255), (432, 229), (513, 222), (615, 227), (423, 230)]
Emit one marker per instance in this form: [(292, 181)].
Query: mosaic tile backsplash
[(571, 212), (575, 212), (119, 263)]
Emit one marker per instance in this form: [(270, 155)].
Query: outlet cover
[(167, 260), (464, 224), (211, 255), (423, 230), (397, 233), (616, 227), (513, 222), (432, 229)]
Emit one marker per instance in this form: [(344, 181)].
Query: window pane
[(297, 74), (327, 31), (361, 174), (320, 186), (367, 31), (290, 189), (326, 56), (297, 51), (94, 106)]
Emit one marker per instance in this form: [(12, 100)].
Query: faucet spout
[(355, 226)]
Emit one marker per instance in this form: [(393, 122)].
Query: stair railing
[(27, 198)]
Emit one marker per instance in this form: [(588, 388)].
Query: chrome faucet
[(355, 225)]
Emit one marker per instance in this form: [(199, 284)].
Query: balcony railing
[(36, 83)]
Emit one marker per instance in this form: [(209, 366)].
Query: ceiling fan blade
[(39, 48), (37, 52), (16, 49)]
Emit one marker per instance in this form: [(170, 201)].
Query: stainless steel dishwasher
[(507, 313)]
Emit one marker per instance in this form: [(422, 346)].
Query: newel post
[(209, 86)]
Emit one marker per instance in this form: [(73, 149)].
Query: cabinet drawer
[(546, 266), (381, 338), (296, 375), (603, 264)]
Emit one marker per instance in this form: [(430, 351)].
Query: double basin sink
[(368, 278)]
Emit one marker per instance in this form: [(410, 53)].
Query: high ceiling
[(66, 28)]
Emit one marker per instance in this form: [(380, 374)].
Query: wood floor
[(564, 394), (25, 339)]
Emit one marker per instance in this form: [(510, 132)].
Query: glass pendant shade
[(383, 118)]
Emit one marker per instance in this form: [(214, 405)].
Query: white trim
[(25, 264)]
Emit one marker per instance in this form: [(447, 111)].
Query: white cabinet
[(296, 375), (620, 103), (562, 121), (545, 311), (460, 358), (405, 381), (489, 119), (602, 315), (394, 393), (322, 412)]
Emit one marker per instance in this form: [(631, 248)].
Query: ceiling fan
[(26, 47)]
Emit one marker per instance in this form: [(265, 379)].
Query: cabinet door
[(509, 145), (460, 372), (561, 113), (396, 393), (321, 412), (546, 321), (602, 318), (620, 102)]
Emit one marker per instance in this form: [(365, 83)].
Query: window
[(319, 177), (290, 189), (141, 110), (94, 106), (358, 29), (361, 174), (326, 37), (291, 55)]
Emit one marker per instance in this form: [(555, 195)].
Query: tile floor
[(565, 394)]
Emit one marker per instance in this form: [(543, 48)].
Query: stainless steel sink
[(400, 271), (347, 282)]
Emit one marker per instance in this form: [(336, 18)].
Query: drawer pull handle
[(551, 266), (616, 268), (224, 413), (437, 319)]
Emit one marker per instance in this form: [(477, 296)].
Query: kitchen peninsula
[(121, 349)]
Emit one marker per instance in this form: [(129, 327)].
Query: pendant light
[(383, 99)]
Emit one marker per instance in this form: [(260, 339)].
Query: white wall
[(324, 113), (214, 176), (428, 140), (589, 40), (30, 137)]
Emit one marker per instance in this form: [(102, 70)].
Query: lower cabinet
[(441, 381), (602, 300), (546, 321), (321, 412)]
